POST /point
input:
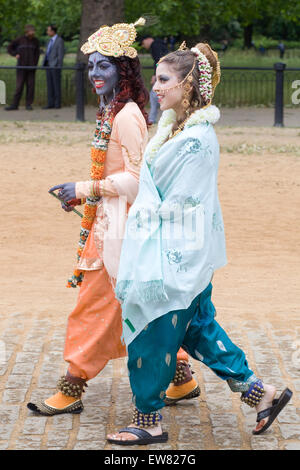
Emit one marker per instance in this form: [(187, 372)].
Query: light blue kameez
[(174, 238), (174, 241)]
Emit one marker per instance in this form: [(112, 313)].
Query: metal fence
[(240, 86), (73, 85)]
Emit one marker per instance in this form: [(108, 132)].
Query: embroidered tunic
[(174, 239), (122, 166), (94, 328)]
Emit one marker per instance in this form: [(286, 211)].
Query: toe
[(122, 437), (32, 407), (260, 425)]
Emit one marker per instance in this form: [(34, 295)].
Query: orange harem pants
[(94, 328)]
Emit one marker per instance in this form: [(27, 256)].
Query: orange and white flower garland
[(98, 156)]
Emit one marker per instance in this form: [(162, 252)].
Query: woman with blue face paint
[(94, 327)]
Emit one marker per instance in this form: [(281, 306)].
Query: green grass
[(237, 88), (236, 58)]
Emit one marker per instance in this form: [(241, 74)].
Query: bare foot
[(125, 436), (266, 402)]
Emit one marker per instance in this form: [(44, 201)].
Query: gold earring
[(187, 88)]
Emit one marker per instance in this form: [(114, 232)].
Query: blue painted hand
[(66, 192)]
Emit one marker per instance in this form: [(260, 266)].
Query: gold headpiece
[(114, 41), (216, 77), (182, 46)]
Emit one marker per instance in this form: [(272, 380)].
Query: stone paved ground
[(257, 294), (216, 420)]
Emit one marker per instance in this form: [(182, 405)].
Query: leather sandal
[(272, 412), (144, 437)]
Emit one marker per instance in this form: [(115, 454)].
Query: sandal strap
[(141, 433), (264, 413)]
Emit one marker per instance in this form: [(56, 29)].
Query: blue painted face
[(103, 74)]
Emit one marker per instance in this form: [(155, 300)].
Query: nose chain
[(179, 85)]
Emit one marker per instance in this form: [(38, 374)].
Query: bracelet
[(254, 395), (98, 189), (146, 419)]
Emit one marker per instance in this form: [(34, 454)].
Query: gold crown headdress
[(114, 41)]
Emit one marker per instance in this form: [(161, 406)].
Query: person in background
[(281, 49), (262, 49), (54, 58), (26, 49), (224, 46), (158, 49), (172, 41)]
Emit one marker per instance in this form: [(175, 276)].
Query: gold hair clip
[(182, 46)]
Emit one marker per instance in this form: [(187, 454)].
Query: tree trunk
[(96, 13), (248, 33)]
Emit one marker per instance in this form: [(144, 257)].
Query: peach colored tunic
[(128, 140), (94, 327)]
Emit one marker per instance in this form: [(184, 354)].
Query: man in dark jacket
[(158, 49), (26, 49), (54, 58)]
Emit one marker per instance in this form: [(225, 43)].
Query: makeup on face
[(167, 87), (103, 75)]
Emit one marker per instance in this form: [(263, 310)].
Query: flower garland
[(205, 75), (98, 156), (211, 114)]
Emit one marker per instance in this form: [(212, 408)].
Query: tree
[(96, 13), (171, 17), (14, 14), (202, 17), (249, 12)]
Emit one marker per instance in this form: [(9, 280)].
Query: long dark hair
[(131, 84)]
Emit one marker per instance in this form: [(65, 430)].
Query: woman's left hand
[(66, 191)]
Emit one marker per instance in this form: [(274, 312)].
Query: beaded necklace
[(179, 128)]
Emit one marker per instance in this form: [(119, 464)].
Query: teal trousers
[(152, 355)]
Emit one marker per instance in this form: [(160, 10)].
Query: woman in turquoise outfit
[(174, 242)]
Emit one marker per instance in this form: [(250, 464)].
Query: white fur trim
[(210, 114)]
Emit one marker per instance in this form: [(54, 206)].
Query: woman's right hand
[(66, 208)]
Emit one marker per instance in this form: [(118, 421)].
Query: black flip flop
[(144, 438), (274, 410)]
